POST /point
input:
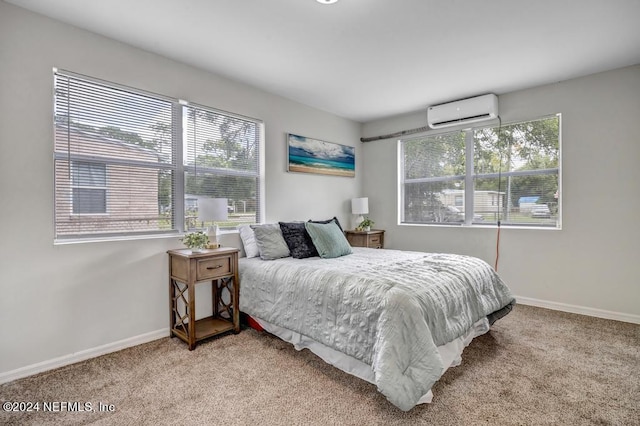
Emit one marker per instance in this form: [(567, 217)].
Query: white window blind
[(481, 176), (432, 167), (128, 162), (517, 173), (221, 160)]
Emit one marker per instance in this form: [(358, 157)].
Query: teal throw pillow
[(328, 239)]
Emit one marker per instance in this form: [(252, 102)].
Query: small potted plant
[(196, 241), (365, 225)]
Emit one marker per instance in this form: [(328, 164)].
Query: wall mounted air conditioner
[(464, 111)]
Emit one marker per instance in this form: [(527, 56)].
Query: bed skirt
[(450, 353)]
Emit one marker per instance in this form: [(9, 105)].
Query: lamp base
[(357, 221), (212, 232)]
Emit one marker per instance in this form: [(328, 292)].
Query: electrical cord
[(495, 267)]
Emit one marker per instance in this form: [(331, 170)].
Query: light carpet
[(535, 367)]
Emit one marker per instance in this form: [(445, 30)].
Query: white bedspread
[(389, 309)]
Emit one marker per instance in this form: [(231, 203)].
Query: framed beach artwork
[(307, 155)]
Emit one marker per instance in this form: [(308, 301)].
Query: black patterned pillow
[(334, 219), (298, 240)]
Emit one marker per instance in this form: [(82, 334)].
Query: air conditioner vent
[(464, 111)]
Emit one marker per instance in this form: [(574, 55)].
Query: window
[(509, 173), (129, 162), (221, 160), (89, 187)]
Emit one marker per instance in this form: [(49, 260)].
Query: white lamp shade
[(360, 205), (212, 209)]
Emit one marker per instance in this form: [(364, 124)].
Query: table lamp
[(212, 210), (359, 207)]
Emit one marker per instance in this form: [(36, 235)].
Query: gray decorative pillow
[(270, 242), (298, 240), (248, 241), (328, 239)]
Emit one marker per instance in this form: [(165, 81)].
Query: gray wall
[(61, 300), (592, 263)]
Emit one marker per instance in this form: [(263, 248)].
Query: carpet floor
[(535, 367)]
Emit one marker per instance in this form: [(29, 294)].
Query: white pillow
[(248, 241)]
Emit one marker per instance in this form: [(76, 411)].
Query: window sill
[(69, 241), (64, 241), (481, 226)]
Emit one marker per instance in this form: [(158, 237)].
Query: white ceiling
[(367, 59)]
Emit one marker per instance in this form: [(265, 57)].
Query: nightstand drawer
[(212, 268)]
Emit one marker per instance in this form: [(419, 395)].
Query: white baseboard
[(30, 370), (583, 310)]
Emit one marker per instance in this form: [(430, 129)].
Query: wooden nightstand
[(371, 239), (186, 269)]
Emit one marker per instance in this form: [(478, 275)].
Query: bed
[(397, 319)]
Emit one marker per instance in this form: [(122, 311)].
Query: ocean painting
[(307, 155)]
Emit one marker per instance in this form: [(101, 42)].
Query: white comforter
[(387, 308)]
